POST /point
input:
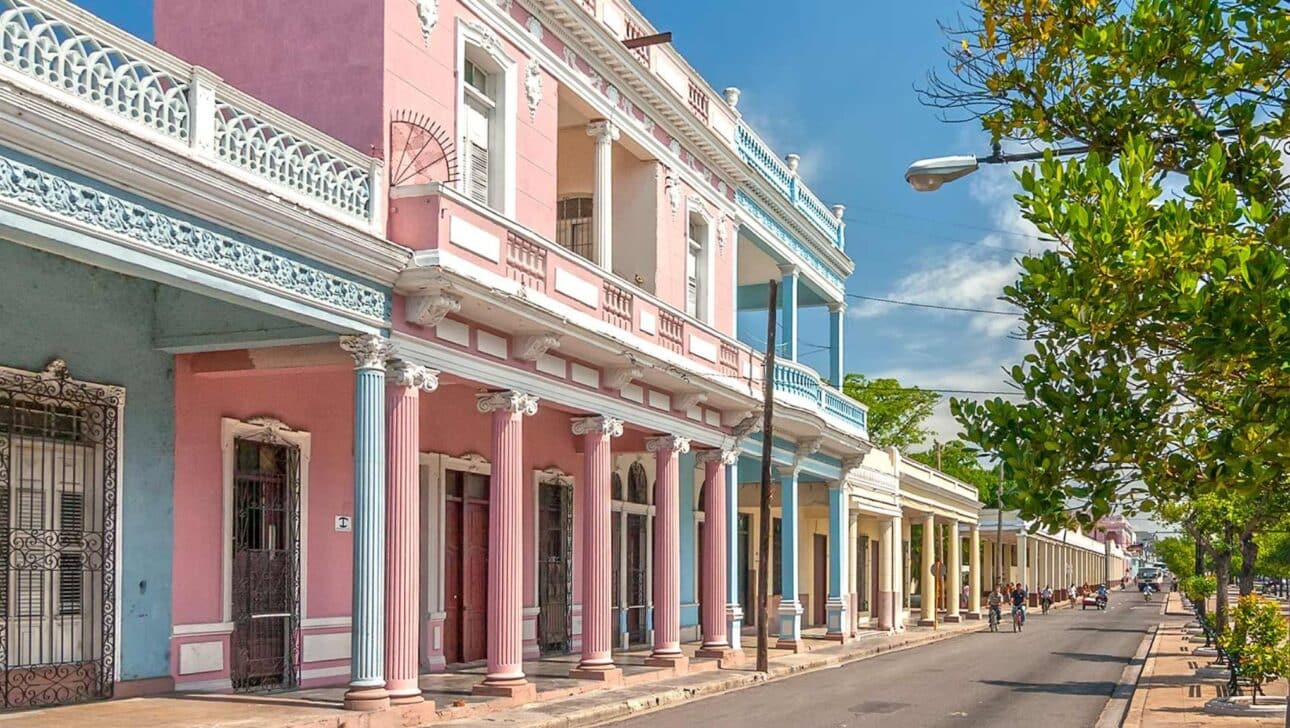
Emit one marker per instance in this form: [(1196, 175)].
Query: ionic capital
[(369, 350), (668, 442), (402, 373), (603, 131), (725, 457), (597, 425), (507, 401)]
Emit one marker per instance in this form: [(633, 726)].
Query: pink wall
[(317, 60), (201, 400)]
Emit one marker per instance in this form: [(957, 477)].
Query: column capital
[(402, 373), (597, 425), (668, 442), (725, 457), (506, 401), (837, 307), (369, 350), (603, 130), (788, 269)]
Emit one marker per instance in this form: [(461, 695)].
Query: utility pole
[(763, 530)]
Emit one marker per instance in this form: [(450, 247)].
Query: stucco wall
[(101, 324)]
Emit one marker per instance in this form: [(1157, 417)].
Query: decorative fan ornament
[(422, 151)]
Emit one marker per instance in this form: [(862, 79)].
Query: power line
[(944, 238), (967, 225), (938, 307)]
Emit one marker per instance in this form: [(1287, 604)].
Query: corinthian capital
[(369, 350), (668, 442), (597, 425), (401, 373), (508, 401)]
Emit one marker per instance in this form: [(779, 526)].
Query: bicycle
[(1018, 619), (994, 619)]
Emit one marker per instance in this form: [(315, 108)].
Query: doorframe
[(620, 509), (57, 368), (432, 507), (554, 475), (262, 428)]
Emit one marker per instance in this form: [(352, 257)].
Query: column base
[(714, 652), (835, 636), (607, 674), (791, 645), (367, 699), (408, 697), (678, 662), (927, 623), (519, 688), (974, 616), (953, 618)]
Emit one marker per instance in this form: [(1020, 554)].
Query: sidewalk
[(1170, 695), (561, 701)]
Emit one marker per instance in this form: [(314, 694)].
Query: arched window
[(637, 484)]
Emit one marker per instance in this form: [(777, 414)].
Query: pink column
[(505, 549), (667, 552), (713, 601), (404, 383), (597, 631)]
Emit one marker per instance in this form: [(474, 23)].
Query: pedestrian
[(967, 593)]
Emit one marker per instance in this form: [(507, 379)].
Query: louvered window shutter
[(477, 134)]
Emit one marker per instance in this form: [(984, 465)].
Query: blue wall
[(101, 324)]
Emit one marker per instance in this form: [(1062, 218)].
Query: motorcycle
[(1101, 602), (1146, 592)]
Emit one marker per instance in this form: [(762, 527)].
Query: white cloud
[(962, 279)]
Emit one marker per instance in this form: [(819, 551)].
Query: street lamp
[(927, 175)]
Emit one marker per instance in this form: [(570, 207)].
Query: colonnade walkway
[(561, 700)]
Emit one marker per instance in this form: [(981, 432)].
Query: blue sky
[(833, 81)]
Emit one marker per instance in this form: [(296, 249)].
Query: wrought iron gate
[(555, 567), (58, 488), (266, 565)]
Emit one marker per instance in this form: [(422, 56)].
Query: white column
[(954, 574), (602, 202), (974, 573), (927, 574), (1023, 553)]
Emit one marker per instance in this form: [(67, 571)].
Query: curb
[(1116, 710)]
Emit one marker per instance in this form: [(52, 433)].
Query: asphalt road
[(1060, 671)]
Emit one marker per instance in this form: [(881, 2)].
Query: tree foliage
[(1160, 320), (897, 414), (1179, 555)]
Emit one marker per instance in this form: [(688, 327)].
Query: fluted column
[(974, 573), (713, 601), (886, 607), (597, 606), (928, 573), (903, 559), (505, 548), (367, 655), (602, 222), (836, 607), (667, 551), (405, 382), (1023, 557), (954, 575), (734, 611)]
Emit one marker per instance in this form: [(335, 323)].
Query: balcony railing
[(107, 71), (762, 158), (802, 386), (699, 101)]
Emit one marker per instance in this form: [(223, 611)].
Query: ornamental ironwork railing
[(104, 70), (762, 158)]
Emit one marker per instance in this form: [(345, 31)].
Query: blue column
[(836, 606), (788, 311), (790, 609), (837, 314), (734, 612), (689, 547), (367, 648)]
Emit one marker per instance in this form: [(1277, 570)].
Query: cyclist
[(1019, 596), (1046, 598), (995, 600)]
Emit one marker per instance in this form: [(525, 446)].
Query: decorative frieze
[(428, 17), (170, 236), (533, 87)]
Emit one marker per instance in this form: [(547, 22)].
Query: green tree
[(1179, 554), (1160, 323), (1257, 642), (897, 414), (960, 460)]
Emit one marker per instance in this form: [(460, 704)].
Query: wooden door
[(474, 571), (821, 579), (452, 533)]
